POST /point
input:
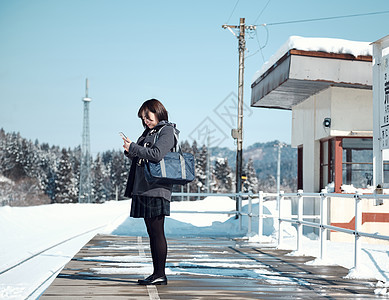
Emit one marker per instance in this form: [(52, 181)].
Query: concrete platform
[(108, 267)]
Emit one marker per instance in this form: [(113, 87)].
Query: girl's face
[(150, 119)]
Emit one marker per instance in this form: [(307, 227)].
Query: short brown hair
[(154, 106)]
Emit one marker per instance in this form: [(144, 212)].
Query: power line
[(263, 9), (236, 4), (326, 18), (260, 47)]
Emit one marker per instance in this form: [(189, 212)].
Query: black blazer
[(146, 149)]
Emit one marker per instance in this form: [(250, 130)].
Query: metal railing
[(298, 220), (322, 225)]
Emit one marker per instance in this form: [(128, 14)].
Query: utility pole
[(238, 133), (279, 145)]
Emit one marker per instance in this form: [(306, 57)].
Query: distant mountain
[(264, 156)]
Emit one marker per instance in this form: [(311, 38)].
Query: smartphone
[(122, 135)]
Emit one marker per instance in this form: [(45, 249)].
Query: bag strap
[(175, 137), (182, 159), (183, 170)]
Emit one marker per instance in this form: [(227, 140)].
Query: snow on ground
[(223, 204), (328, 45), (374, 258), (4, 179), (27, 231)]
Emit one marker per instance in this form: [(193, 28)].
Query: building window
[(357, 163), (346, 161)]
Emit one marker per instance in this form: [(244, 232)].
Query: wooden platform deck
[(108, 267)]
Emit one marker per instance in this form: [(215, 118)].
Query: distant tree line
[(262, 157), (213, 173), (32, 173)]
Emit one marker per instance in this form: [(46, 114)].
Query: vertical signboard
[(380, 107), (384, 121)]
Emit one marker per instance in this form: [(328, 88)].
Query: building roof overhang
[(299, 74)]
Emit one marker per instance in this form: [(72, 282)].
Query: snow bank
[(382, 288), (29, 230), (351, 189), (202, 223), (5, 180), (223, 204), (327, 45)]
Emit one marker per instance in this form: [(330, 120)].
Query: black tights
[(158, 245)]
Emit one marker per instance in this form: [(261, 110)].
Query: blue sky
[(131, 51)]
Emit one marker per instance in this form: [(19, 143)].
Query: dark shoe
[(140, 281), (151, 280)]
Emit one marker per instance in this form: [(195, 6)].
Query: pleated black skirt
[(149, 207)]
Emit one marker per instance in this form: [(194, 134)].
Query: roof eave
[(300, 74)]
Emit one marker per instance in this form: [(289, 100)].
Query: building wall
[(350, 110), (323, 110), (305, 131), (374, 219), (351, 114)]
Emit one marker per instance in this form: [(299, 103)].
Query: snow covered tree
[(50, 184), (223, 175), (115, 173), (6, 190), (98, 189), (3, 138), (201, 168), (192, 187), (185, 147), (75, 161), (195, 184), (49, 158), (65, 189), (11, 163), (119, 168), (251, 183), (269, 184)]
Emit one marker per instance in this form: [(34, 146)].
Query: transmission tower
[(85, 172)]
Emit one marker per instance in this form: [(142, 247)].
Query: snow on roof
[(328, 45)]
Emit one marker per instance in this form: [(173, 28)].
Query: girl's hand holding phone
[(126, 140), (123, 135)]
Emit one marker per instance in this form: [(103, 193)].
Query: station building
[(327, 84)]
